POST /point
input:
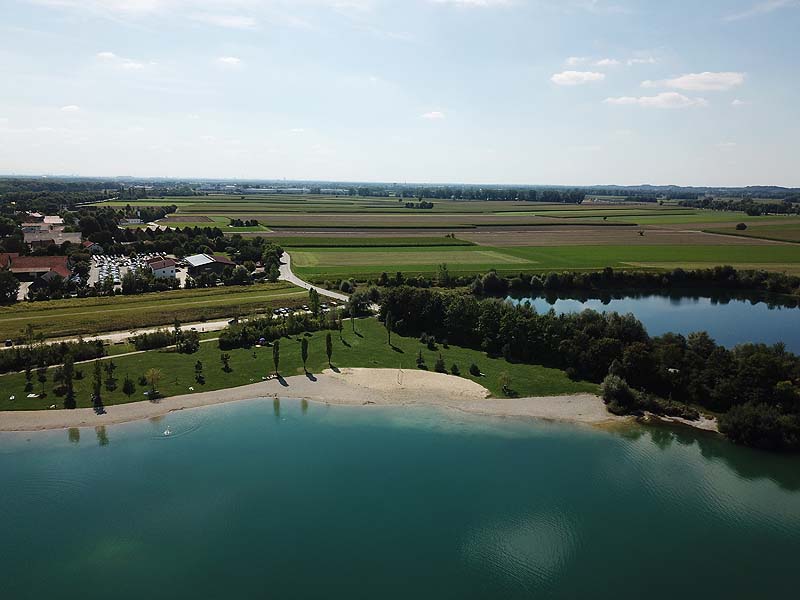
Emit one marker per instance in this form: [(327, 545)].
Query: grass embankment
[(88, 316), (366, 263), (369, 349)]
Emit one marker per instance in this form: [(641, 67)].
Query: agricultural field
[(365, 263), (88, 316), (366, 348), (785, 232), (366, 242)]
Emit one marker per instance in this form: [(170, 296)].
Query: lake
[(730, 321), (291, 500)]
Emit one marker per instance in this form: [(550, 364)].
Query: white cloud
[(738, 102), (229, 62), (762, 8), (727, 145), (433, 115), (482, 3), (120, 62), (297, 130), (706, 81), (228, 21), (70, 108), (641, 60), (663, 100), (576, 77), (574, 61), (607, 62)]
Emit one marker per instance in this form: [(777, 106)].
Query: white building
[(163, 268)]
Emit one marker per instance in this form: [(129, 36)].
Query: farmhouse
[(206, 263), (29, 268), (163, 268), (42, 239)]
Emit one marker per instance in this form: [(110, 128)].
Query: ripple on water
[(529, 552), (176, 425)]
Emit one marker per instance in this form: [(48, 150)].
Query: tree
[(313, 301), (69, 373), (153, 376), (41, 376), (128, 387), (304, 352), (439, 365), (28, 378), (111, 382), (329, 347), (276, 355), (389, 323), (9, 287), (226, 362), (97, 383), (198, 373)]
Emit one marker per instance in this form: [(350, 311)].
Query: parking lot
[(115, 267)]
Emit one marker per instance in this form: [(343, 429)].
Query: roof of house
[(161, 263), (54, 220), (37, 264), (57, 237), (87, 244), (6, 258), (200, 260)]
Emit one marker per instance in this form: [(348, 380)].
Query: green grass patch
[(366, 263), (248, 366), (88, 316), (789, 232)]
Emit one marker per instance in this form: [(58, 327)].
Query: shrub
[(455, 370), (741, 226), (618, 396), (440, 367), (474, 370)]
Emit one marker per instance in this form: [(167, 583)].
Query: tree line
[(754, 385)]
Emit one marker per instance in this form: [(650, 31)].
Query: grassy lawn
[(370, 262), (369, 349), (87, 316)]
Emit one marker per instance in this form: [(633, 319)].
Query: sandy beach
[(354, 387)]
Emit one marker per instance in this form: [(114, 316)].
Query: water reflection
[(74, 435), (102, 436), (730, 319), (746, 463)]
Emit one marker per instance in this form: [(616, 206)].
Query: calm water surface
[(728, 321), (252, 500)]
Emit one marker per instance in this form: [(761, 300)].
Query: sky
[(548, 92)]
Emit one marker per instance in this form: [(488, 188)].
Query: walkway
[(288, 275)]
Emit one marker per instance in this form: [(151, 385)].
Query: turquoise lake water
[(253, 500), (730, 321)]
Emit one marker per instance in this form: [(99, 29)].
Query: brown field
[(187, 219), (594, 236)]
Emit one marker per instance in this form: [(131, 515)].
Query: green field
[(348, 213), (249, 366), (789, 232), (364, 263), (87, 316)]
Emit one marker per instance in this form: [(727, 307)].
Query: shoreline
[(349, 387)]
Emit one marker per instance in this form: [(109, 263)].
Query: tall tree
[(329, 347), (276, 355), (389, 323), (313, 301), (304, 352), (69, 373), (97, 382), (153, 376)]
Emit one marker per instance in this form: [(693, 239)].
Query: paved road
[(288, 275)]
